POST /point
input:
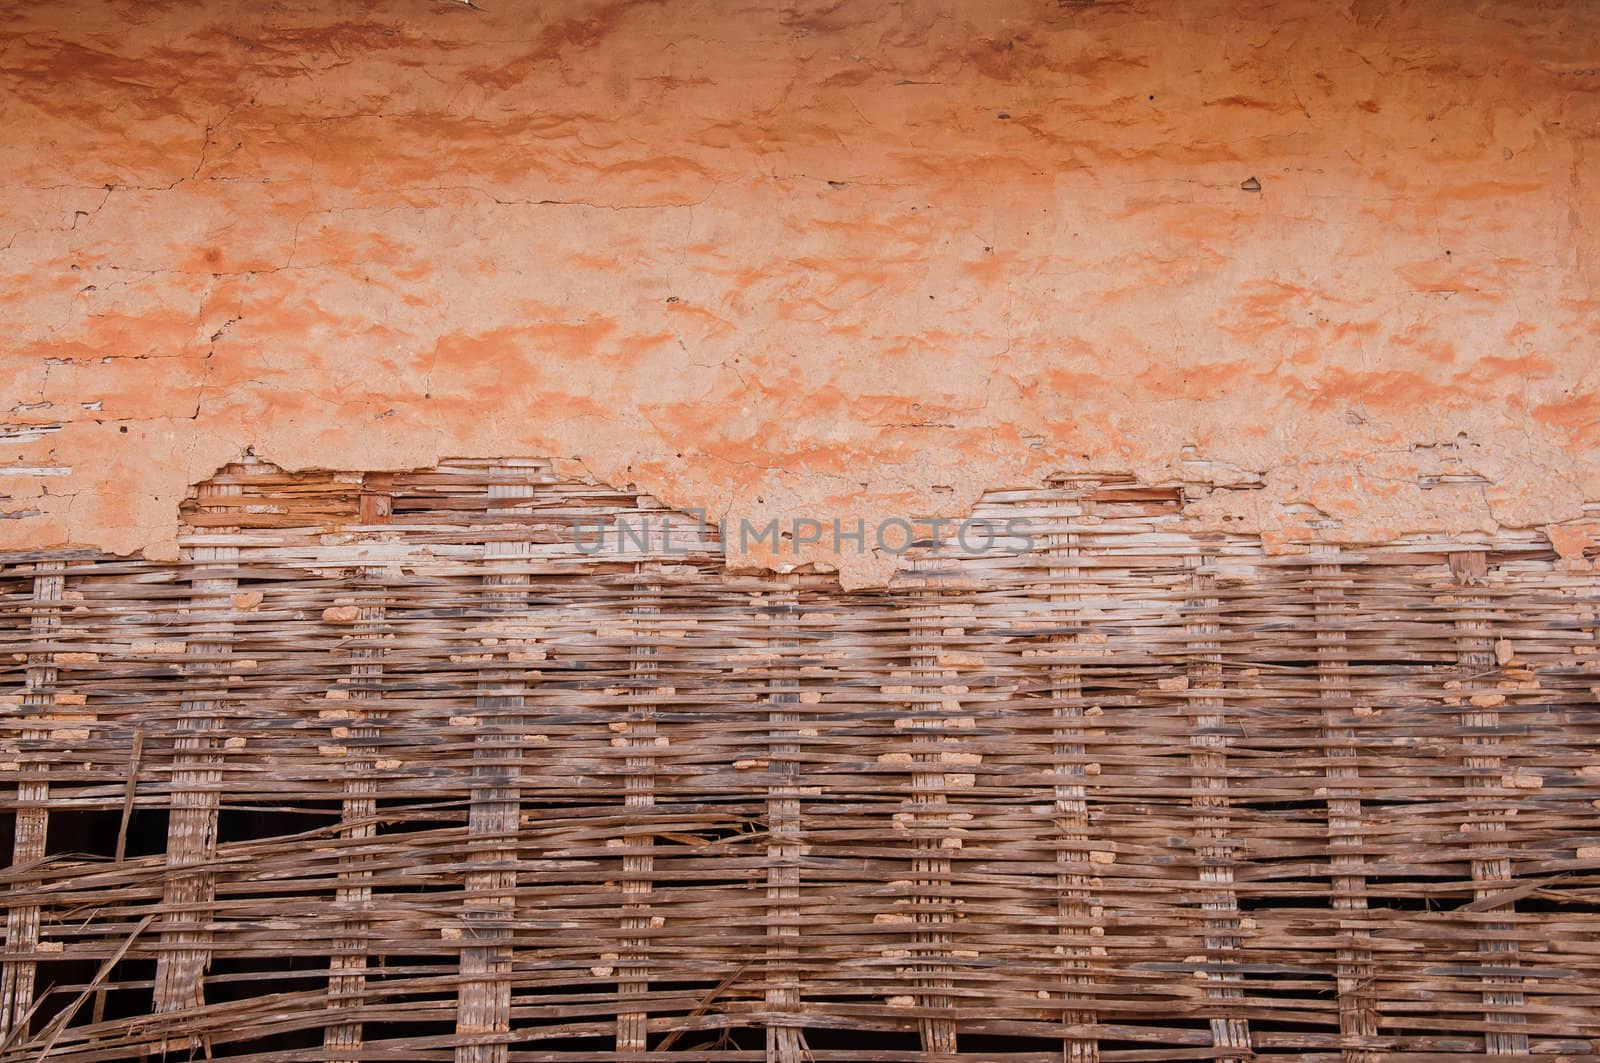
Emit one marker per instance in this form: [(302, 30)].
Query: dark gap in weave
[(94, 833), (72, 833), (238, 823), (407, 815), (131, 991), (244, 979), (59, 981)]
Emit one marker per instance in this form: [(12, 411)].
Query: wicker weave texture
[(391, 767)]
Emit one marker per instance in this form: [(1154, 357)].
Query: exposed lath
[(387, 767)]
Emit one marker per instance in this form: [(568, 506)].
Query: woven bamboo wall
[(387, 769)]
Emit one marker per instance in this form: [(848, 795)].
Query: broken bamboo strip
[(1208, 763), (347, 978), (1486, 824), (130, 793), (188, 897), (1358, 1018), (64, 1018), (33, 796), (488, 914)]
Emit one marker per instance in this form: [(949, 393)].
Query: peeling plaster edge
[(1284, 529)]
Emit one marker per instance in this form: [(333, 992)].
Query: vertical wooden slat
[(190, 889), (1358, 1017), (483, 1015), (1074, 894), (1491, 872), (931, 820), (33, 796), (347, 979), (638, 861), (785, 1043), (1208, 764)]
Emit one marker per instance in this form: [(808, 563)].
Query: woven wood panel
[(389, 768)]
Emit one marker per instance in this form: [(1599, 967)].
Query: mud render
[(386, 767)]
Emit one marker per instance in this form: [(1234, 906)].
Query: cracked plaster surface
[(795, 259)]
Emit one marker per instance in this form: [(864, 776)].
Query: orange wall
[(860, 257)]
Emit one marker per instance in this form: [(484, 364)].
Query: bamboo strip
[(483, 1015), (1487, 827), (18, 974), (347, 979), (931, 822), (1075, 892), (785, 1043), (1358, 1018), (1208, 760), (196, 780), (638, 862)]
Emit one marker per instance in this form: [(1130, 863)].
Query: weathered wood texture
[(388, 768)]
